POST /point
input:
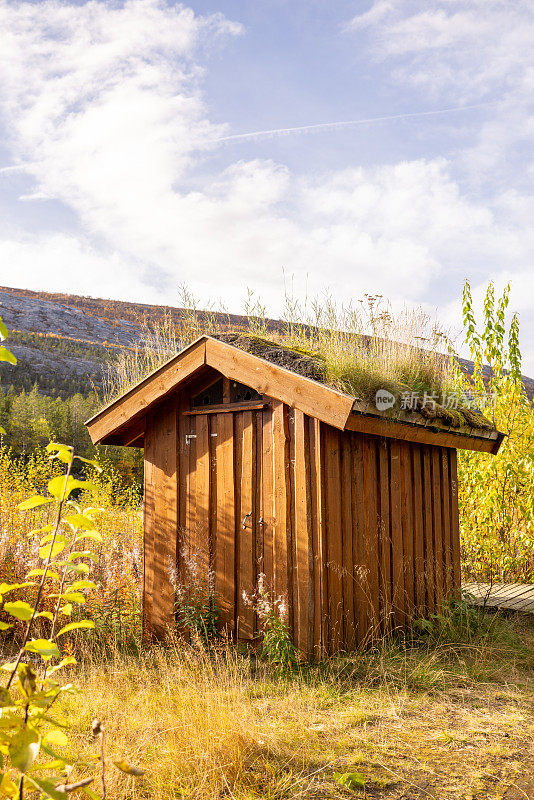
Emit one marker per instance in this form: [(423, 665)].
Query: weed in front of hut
[(278, 649), (196, 609)]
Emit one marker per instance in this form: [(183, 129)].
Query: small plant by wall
[(196, 609), (277, 645)]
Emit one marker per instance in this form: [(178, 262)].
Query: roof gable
[(311, 397), (122, 421)]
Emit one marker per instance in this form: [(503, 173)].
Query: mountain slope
[(62, 341)]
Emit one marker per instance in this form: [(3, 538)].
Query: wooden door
[(221, 524)]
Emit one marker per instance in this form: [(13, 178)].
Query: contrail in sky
[(321, 125), (15, 168)]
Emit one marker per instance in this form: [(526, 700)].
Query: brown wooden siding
[(160, 519), (357, 533)]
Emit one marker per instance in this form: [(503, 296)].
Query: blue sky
[(118, 177)]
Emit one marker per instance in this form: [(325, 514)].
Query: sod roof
[(313, 366), (296, 377)]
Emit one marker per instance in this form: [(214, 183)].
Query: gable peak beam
[(296, 391)]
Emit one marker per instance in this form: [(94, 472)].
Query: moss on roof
[(356, 382)]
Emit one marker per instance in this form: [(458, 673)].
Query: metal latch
[(189, 436), (245, 520)]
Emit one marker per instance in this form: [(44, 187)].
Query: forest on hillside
[(39, 404), (59, 366)]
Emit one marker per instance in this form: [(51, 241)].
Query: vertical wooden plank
[(334, 536), (317, 532), (184, 428), (397, 548), (244, 435), (213, 500), (323, 534), (358, 537), (370, 474), (291, 540), (436, 524), (238, 513), (268, 496), (385, 535), (311, 485), (419, 552), (162, 519), (302, 532), (446, 521), (349, 626), (257, 516), (202, 498), (189, 538), (455, 520), (430, 569), (148, 528), (281, 500), (407, 527), (225, 553)]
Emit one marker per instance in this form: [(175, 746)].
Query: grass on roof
[(362, 366), (355, 349)]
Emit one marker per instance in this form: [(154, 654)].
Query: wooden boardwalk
[(509, 596)]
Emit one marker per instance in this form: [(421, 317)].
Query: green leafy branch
[(28, 731), (5, 354)]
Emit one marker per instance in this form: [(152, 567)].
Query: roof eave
[(429, 433)]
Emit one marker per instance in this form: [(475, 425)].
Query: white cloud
[(470, 47), (104, 98), (465, 51), (393, 229), (104, 107)]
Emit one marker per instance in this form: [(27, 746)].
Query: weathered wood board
[(509, 596)]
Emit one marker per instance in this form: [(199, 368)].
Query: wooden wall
[(391, 533), (358, 533), (160, 519)]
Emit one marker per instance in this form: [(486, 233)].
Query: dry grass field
[(436, 719)]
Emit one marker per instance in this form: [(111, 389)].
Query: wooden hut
[(253, 466)]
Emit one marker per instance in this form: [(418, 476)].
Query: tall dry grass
[(182, 715), (363, 346), (368, 346)]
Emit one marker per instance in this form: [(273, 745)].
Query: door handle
[(245, 520)]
